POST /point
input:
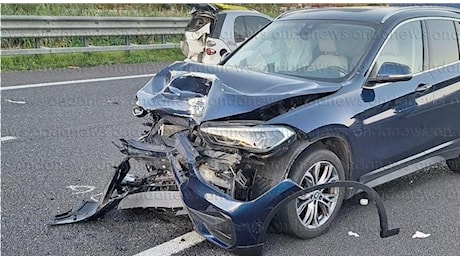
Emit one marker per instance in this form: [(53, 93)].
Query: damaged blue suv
[(317, 106)]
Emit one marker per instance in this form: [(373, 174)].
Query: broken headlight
[(260, 138), (197, 106)]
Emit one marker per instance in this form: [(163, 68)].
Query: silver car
[(212, 32)]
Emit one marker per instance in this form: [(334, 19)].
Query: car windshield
[(311, 49)]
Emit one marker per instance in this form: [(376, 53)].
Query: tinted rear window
[(443, 42), (254, 23), (216, 30)]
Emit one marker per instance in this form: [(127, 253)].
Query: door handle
[(423, 87)]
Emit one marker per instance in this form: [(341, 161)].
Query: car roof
[(244, 12), (239, 12), (370, 14)]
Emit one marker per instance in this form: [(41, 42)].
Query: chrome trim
[(411, 8), (412, 158), (405, 170)]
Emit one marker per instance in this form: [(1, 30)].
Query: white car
[(212, 32)]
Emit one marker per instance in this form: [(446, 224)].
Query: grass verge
[(52, 61)]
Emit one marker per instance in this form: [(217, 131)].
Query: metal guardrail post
[(85, 41), (37, 43)]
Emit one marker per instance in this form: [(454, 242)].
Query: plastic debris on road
[(420, 235), (364, 202), (80, 189), (351, 233), (15, 101)]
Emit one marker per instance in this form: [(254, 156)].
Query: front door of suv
[(395, 127)]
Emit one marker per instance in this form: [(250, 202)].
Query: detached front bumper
[(233, 225), (238, 226)]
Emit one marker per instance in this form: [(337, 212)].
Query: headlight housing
[(259, 138), (197, 106)]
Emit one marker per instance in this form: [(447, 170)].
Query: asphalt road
[(63, 138)]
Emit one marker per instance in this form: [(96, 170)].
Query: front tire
[(312, 214), (454, 164)]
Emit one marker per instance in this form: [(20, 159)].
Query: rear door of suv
[(444, 63)]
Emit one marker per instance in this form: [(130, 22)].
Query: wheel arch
[(333, 138)]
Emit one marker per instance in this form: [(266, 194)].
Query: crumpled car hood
[(207, 92)]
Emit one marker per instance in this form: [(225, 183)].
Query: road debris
[(113, 102), (15, 101), (420, 235), (80, 189), (364, 202), (96, 197), (353, 234)]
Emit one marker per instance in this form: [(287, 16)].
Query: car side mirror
[(392, 72)]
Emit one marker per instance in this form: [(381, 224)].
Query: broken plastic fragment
[(181, 212), (364, 202), (351, 233), (80, 189), (96, 197), (420, 235), (113, 102), (15, 101)]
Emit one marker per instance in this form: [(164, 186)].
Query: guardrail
[(37, 27)]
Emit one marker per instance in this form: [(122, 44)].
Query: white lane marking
[(7, 138), (15, 101), (80, 189), (75, 82), (174, 246)]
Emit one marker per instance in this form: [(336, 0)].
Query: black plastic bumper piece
[(88, 210), (383, 218), (84, 211)]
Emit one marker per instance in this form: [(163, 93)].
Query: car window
[(310, 49), (254, 23), (404, 46), (443, 42), (458, 33), (197, 22), (216, 30), (239, 29)]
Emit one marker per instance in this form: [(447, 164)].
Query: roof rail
[(409, 8), (308, 9)]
